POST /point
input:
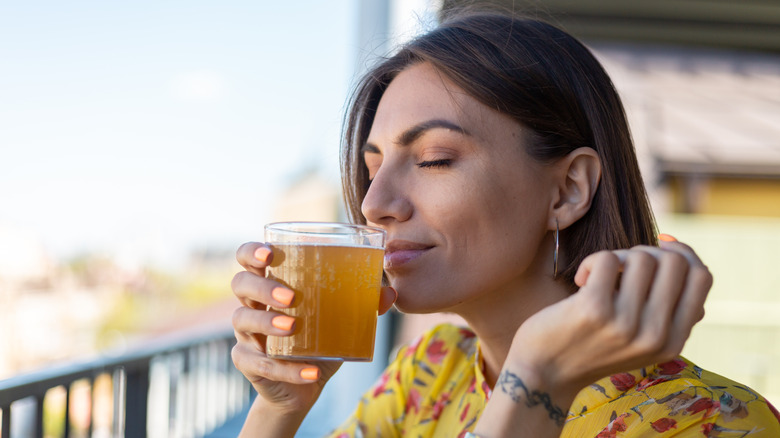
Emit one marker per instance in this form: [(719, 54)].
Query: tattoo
[(513, 386)]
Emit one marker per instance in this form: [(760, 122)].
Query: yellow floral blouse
[(435, 388)]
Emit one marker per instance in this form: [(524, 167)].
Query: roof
[(744, 24), (700, 111)]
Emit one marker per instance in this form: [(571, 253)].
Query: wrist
[(544, 372), (524, 402), (265, 419), (530, 390), (265, 407)]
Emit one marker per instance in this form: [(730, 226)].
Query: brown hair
[(547, 81)]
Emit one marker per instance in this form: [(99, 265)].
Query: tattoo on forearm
[(513, 386)]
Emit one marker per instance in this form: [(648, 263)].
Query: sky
[(144, 129)]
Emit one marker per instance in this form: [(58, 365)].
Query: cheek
[(503, 225), (453, 209)]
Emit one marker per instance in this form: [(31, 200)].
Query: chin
[(404, 306), (412, 303)]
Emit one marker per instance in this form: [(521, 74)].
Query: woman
[(495, 153)]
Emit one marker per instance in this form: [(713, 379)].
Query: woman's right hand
[(287, 386), (291, 387)]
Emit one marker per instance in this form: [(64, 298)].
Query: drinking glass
[(335, 271)]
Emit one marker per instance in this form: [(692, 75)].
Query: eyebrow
[(410, 135)]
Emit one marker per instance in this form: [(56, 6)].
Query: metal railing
[(171, 388)]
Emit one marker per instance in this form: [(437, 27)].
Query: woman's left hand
[(634, 308)]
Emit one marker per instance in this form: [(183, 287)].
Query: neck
[(496, 316)]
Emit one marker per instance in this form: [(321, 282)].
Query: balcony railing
[(173, 388)]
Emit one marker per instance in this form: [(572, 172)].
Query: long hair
[(547, 81)]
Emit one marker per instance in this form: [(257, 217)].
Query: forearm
[(521, 406), (265, 421)]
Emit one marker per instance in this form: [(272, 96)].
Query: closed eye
[(434, 163)]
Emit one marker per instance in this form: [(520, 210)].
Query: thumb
[(387, 297)]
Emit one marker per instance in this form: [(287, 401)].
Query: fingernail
[(310, 373), (666, 238), (395, 298), (283, 295), (262, 254), (283, 322)]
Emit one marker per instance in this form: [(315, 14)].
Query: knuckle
[(644, 259), (700, 281), (685, 248), (245, 248), (265, 368), (606, 259), (601, 254), (238, 354), (592, 315), (589, 258), (674, 259), (238, 279), (624, 330), (235, 355), (238, 317), (702, 277), (671, 352), (590, 322), (273, 370), (245, 284), (652, 344), (250, 321), (606, 254), (653, 338), (620, 333)]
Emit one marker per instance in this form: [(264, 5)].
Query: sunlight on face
[(465, 208)]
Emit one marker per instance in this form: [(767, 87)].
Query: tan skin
[(470, 221)]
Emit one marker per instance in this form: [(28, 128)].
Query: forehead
[(420, 93)]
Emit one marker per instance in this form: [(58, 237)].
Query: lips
[(398, 253)]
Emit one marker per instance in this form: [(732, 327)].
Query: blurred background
[(142, 142)]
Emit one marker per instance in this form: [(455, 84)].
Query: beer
[(336, 300)]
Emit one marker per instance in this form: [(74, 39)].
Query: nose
[(387, 199)]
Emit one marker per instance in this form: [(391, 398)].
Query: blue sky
[(163, 125)]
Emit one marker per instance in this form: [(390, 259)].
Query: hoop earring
[(555, 255)]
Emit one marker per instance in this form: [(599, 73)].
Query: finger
[(667, 319), (678, 258), (598, 273), (256, 291), (638, 271), (690, 309), (254, 257), (257, 367), (246, 320), (662, 304), (387, 297), (683, 249), (255, 339)]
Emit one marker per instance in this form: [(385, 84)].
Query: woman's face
[(465, 208)]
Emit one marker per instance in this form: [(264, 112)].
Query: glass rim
[(322, 227)]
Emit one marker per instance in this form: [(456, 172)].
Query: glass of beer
[(335, 271)]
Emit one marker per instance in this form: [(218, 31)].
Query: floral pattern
[(436, 388)]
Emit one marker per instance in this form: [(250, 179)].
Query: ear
[(578, 177)]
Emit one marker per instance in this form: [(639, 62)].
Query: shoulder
[(676, 395), (734, 406), (686, 391)]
